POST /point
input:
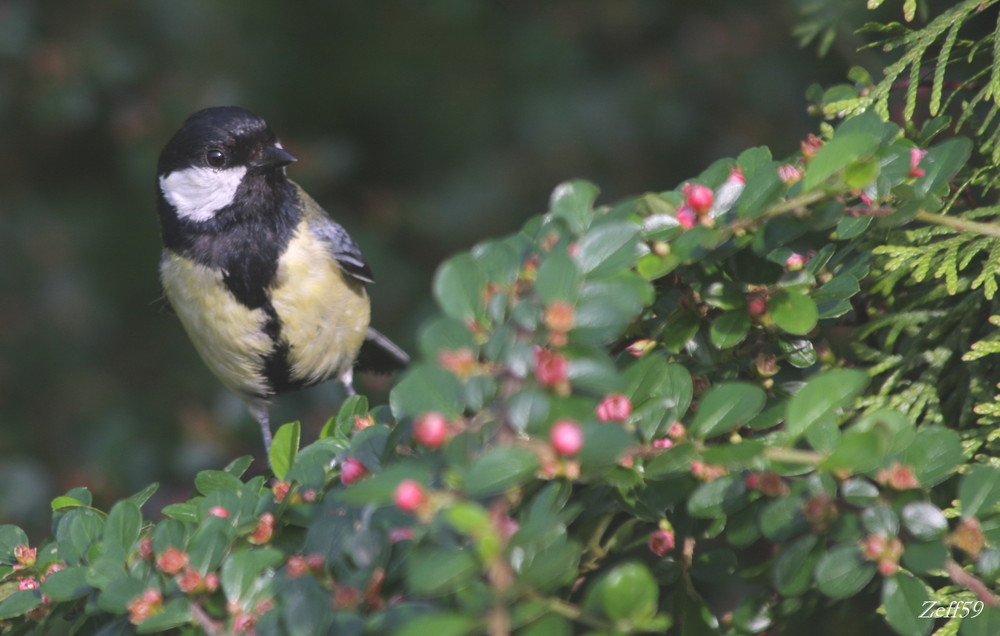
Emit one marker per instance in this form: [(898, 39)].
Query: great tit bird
[(270, 290)]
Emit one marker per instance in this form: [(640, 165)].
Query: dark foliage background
[(422, 127)]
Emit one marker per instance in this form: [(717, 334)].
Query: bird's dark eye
[(215, 158)]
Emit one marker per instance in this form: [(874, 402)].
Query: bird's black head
[(219, 157)]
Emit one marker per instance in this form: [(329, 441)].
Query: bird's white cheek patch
[(198, 193)]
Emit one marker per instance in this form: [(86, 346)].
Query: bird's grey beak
[(274, 157)]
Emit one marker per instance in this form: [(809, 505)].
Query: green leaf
[(284, 447), (438, 624), (11, 536), (979, 490), (116, 596), (77, 532), (628, 592), (793, 311), (715, 498), (498, 470), (184, 511), (242, 568), (66, 585), (573, 202), (64, 502), (793, 569), (608, 247), (842, 572), (924, 520), (19, 603), (934, 455), (729, 329), (176, 612), (140, 498), (123, 524), (835, 155), (942, 162), (208, 481), (440, 571), (857, 451), (727, 406), (426, 387), (558, 278), (822, 398), (458, 287), (904, 598)]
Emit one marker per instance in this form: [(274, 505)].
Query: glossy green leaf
[(284, 448), (607, 247), (426, 387), (793, 569), (573, 202), (123, 524), (729, 329), (822, 398), (242, 568), (904, 599), (835, 155), (208, 481), (439, 624), (558, 278), (941, 164), (11, 536), (727, 406), (458, 287), (934, 455), (881, 520), (440, 571), (713, 499), (857, 451), (979, 490), (19, 603), (628, 592), (924, 520), (66, 585), (793, 311), (842, 572), (176, 612), (498, 470)]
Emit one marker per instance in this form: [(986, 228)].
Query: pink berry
[(351, 471), (614, 408), (431, 430), (795, 262), (218, 511), (698, 197), (916, 156), (551, 368), (661, 541), (409, 495), (566, 437), (686, 217)]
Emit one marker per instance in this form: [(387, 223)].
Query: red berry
[(409, 495), (218, 511), (566, 437), (351, 471), (698, 197), (431, 430)]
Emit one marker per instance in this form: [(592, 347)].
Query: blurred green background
[(421, 126)]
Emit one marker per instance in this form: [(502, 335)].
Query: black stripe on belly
[(277, 370)]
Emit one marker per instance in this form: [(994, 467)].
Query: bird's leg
[(347, 379), (260, 413)]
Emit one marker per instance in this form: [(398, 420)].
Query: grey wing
[(343, 248)]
